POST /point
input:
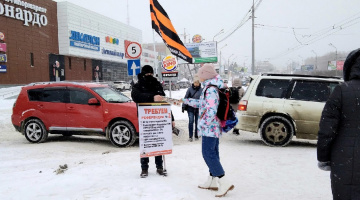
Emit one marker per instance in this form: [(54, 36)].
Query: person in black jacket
[(148, 89), (194, 92), (338, 147)]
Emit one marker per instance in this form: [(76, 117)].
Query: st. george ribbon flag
[(162, 25)]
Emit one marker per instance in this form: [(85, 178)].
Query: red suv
[(70, 108)]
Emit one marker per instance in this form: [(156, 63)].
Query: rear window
[(47, 95), (312, 90), (272, 88)]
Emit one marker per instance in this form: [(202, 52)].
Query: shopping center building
[(42, 40)]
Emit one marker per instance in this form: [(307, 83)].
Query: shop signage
[(111, 40), (84, 41), (28, 17), (3, 47), (2, 36), (169, 74), (169, 63), (3, 58), (197, 38), (112, 53), (3, 69)]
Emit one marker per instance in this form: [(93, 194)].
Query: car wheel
[(34, 131), (276, 131), (122, 133)]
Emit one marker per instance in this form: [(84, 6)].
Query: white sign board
[(155, 129)]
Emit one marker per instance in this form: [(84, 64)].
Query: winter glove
[(183, 109), (324, 166)]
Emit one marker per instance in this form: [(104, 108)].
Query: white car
[(122, 85)]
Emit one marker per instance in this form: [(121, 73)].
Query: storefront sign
[(155, 129), (84, 41), (24, 15), (3, 69), (3, 58), (3, 47), (169, 63), (111, 40), (169, 74), (2, 36), (112, 53), (197, 38)]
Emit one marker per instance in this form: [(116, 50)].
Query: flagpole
[(155, 64)]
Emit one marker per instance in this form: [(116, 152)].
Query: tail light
[(243, 105)]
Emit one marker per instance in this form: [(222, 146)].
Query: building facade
[(42, 40)]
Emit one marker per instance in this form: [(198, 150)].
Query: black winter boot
[(144, 173), (161, 172)]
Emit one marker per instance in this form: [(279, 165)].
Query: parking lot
[(98, 170)]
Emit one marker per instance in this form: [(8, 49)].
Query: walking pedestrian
[(147, 90), (237, 92), (194, 92), (338, 147), (210, 129)]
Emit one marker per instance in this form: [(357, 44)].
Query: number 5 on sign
[(132, 50)]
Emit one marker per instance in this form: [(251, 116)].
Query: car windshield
[(110, 95)]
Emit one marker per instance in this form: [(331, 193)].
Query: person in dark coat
[(338, 147), (194, 91), (147, 90)]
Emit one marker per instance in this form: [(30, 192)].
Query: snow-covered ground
[(98, 170)]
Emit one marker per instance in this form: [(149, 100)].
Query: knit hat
[(207, 71), (236, 83), (147, 69)]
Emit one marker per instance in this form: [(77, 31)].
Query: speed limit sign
[(132, 50)]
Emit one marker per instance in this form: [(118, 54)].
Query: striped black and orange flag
[(162, 25)]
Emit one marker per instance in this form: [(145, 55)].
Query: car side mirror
[(93, 101)]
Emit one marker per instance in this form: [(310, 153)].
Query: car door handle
[(295, 104), (40, 106), (71, 108)]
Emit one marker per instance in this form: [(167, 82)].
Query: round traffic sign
[(134, 50)]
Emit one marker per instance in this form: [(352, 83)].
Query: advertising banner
[(307, 67), (202, 52), (3, 58), (155, 129), (3, 47), (340, 65), (336, 65), (3, 69)]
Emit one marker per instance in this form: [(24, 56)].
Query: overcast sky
[(285, 30)]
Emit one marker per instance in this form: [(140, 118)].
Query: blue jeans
[(210, 152), (145, 162), (193, 115)]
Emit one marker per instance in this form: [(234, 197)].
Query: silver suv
[(281, 106)]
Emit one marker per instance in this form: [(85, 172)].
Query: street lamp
[(335, 50), (229, 61), (220, 55), (222, 31), (315, 59)]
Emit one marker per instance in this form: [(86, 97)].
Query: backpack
[(225, 112), (234, 95)]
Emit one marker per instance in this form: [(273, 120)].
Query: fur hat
[(207, 71), (147, 69)]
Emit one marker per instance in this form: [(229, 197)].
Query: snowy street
[(98, 170)]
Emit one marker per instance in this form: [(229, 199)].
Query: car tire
[(34, 131), (276, 131), (122, 133)]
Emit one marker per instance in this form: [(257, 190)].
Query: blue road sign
[(133, 67)]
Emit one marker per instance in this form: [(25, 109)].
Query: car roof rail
[(302, 75)]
